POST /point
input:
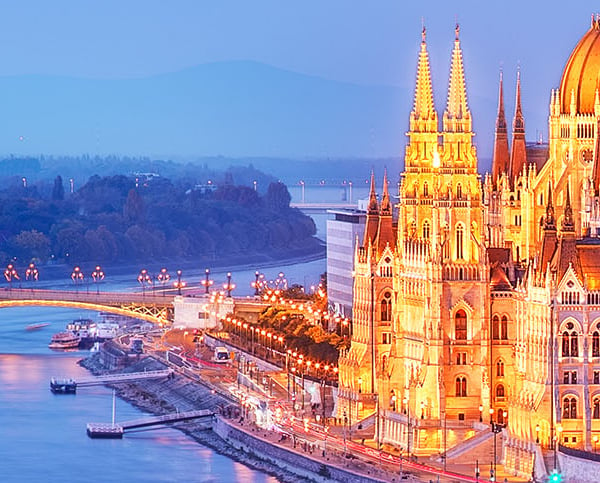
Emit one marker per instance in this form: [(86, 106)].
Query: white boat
[(64, 340), (36, 326)]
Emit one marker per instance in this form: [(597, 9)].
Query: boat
[(84, 330), (36, 326), (63, 386), (64, 340)]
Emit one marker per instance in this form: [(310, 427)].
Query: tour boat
[(36, 326), (64, 340)]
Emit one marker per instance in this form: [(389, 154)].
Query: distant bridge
[(323, 207), (147, 306)]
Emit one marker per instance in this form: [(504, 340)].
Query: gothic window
[(460, 325), (566, 377), (500, 390), (596, 408), (461, 386), (461, 358), (495, 327), (565, 344), (569, 408), (499, 369), (459, 191), (596, 377), (504, 328), (426, 229), (425, 189), (460, 231), (596, 344), (574, 345), (573, 377), (386, 307)]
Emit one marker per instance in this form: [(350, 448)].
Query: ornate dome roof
[(582, 72)]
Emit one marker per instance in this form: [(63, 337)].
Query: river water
[(43, 436)]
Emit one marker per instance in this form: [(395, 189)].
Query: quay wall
[(301, 465)]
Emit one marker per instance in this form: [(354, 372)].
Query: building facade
[(483, 303)]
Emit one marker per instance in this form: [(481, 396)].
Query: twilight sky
[(359, 42)]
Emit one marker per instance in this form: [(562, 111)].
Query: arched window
[(596, 408), (386, 307), (499, 369), (425, 189), (459, 191), (565, 344), (426, 229), (460, 231), (500, 390), (574, 345), (596, 344), (460, 325), (495, 327), (569, 408), (504, 328), (461, 386)]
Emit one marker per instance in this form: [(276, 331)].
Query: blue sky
[(360, 42)]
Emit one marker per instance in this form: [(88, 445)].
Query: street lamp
[(496, 428), (10, 273), (206, 283), (359, 385), (180, 283), (229, 286), (537, 434), (302, 186), (144, 278), (163, 277), (77, 275), (97, 276), (32, 272), (255, 284), (407, 412), (480, 413)]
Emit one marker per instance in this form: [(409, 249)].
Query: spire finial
[(423, 30), (456, 31)]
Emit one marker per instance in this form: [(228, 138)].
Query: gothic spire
[(385, 231), (457, 111), (518, 157), (386, 205), (500, 161), (549, 221), (423, 117), (372, 215), (568, 225)]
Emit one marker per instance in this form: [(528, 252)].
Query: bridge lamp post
[(144, 278), (97, 276), (163, 277), (302, 187), (32, 272), (180, 283), (229, 286), (77, 277), (10, 273), (206, 283), (255, 284)]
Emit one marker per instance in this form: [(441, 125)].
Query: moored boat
[(63, 386), (64, 340)]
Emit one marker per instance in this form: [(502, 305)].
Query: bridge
[(148, 306), (323, 207), (116, 430), (115, 378)]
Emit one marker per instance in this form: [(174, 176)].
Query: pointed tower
[(372, 215), (385, 232), (457, 123), (500, 162), (549, 238), (423, 126), (568, 225), (518, 155)]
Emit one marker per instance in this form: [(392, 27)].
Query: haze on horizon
[(352, 55)]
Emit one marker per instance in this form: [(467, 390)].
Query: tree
[(278, 197), (33, 244), (134, 210), (58, 192)]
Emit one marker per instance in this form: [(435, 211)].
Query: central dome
[(582, 73)]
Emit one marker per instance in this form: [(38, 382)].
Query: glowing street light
[(229, 286), (179, 284), (10, 273), (97, 277), (144, 278), (32, 272), (163, 277), (206, 283), (77, 276)]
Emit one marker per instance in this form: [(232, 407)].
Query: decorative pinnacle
[(457, 31)]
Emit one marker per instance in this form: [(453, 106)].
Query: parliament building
[(477, 299)]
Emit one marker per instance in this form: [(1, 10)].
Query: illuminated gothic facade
[(481, 300)]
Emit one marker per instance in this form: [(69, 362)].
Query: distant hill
[(236, 109)]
